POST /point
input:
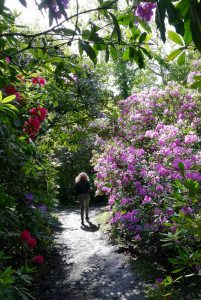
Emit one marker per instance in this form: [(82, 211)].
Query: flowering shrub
[(33, 125), (154, 152)]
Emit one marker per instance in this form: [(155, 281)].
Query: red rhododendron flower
[(10, 90), (42, 113), (38, 80), (32, 242), (34, 122), (25, 235), (38, 259), (34, 111)]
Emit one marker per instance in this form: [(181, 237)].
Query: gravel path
[(85, 265)]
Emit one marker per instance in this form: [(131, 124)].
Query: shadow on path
[(90, 227), (83, 265)]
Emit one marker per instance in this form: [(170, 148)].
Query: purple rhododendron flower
[(186, 210), (137, 237), (29, 197), (42, 208), (145, 11), (146, 200), (170, 211)]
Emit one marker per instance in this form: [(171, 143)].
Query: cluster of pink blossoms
[(26, 237), (33, 125), (157, 133)]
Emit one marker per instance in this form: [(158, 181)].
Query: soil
[(85, 265)]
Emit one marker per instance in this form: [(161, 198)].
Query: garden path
[(85, 265)]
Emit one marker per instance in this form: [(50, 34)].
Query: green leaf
[(142, 37), (126, 19), (160, 19), (173, 36), (11, 107), (147, 53), (196, 85), (132, 53), (183, 7), (9, 99), (113, 52), (178, 270), (173, 54), (173, 17), (85, 34), (187, 33), (107, 54), (116, 27), (88, 49), (126, 54), (195, 23), (144, 24), (139, 59), (181, 59), (108, 4)]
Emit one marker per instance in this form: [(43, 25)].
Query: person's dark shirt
[(82, 187)]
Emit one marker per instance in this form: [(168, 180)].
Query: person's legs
[(87, 206), (81, 208)]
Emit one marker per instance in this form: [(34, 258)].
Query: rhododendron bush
[(148, 169)]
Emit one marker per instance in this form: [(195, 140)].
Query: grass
[(103, 220)]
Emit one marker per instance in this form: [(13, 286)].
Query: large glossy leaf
[(116, 27), (183, 7), (173, 54), (160, 19), (113, 52), (8, 99), (187, 34), (142, 37), (181, 59), (195, 23), (174, 37), (173, 17), (88, 49)]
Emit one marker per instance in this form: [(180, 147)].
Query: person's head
[(82, 176)]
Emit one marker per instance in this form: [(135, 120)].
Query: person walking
[(82, 190)]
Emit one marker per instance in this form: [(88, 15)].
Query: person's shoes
[(87, 219), (82, 223)]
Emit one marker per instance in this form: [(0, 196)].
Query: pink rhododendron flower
[(137, 237), (146, 200), (7, 59)]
